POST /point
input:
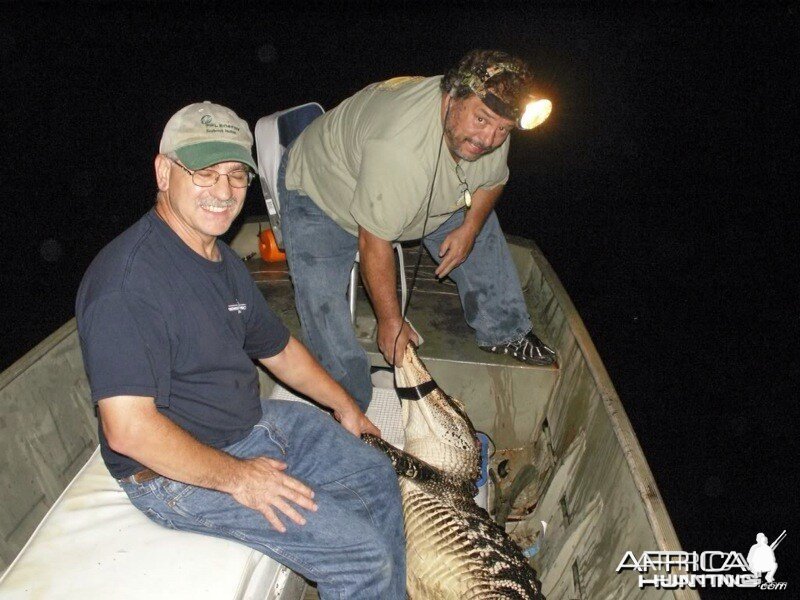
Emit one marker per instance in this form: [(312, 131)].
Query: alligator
[(454, 550)]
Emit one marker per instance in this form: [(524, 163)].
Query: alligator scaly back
[(453, 548)]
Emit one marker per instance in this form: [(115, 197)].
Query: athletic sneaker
[(527, 348)]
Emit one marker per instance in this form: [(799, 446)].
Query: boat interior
[(567, 476), (564, 455)]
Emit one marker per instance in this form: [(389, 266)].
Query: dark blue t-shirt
[(157, 319)]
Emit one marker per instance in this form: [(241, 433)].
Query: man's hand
[(356, 422), (391, 345), (262, 485), (455, 249)]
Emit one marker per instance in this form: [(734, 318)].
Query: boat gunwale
[(30, 358), (655, 509)]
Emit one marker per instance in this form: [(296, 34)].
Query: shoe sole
[(527, 361)]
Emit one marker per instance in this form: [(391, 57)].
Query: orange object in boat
[(268, 247)]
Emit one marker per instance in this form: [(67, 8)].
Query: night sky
[(661, 191)]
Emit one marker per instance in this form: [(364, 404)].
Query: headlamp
[(536, 112)]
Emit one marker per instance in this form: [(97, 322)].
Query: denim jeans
[(321, 254), (353, 546)]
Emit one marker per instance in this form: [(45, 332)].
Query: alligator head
[(437, 428)]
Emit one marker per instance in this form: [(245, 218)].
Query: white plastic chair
[(274, 133)]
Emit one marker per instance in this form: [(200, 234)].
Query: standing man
[(170, 322), (405, 159)]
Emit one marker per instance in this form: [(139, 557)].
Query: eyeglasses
[(238, 178), (464, 188)]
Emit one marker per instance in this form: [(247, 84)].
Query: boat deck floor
[(435, 311)]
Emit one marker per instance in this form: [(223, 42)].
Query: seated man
[(405, 159), (170, 322)]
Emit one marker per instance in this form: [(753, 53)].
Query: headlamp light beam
[(535, 113)]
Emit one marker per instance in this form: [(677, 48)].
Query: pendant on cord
[(462, 179)]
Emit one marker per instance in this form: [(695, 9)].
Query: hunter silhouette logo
[(761, 558), (677, 569)]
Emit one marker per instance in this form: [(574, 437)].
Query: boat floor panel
[(435, 311)]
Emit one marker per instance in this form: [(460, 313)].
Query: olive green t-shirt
[(370, 161)]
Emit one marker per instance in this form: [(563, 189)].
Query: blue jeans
[(353, 546), (321, 254)]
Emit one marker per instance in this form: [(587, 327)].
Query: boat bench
[(93, 543)]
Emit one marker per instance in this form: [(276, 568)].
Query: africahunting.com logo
[(710, 569)]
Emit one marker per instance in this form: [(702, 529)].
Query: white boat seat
[(93, 543), (274, 133)]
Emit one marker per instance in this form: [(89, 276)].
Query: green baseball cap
[(204, 134)]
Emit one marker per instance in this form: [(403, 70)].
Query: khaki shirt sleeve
[(390, 190)]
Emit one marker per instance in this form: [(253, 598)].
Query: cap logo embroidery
[(218, 127)]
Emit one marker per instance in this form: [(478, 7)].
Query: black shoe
[(528, 349)]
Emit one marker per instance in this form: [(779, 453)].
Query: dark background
[(662, 190)]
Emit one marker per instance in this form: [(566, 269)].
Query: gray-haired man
[(170, 322)]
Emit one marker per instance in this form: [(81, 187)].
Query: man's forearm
[(296, 367), (136, 429), (483, 202), (379, 275)]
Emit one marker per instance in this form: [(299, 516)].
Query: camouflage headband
[(502, 86)]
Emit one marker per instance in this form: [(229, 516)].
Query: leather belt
[(140, 476)]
